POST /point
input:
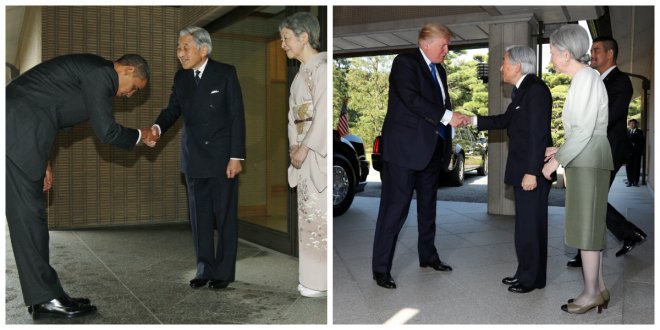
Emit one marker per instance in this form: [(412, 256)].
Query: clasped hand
[(551, 164), (298, 154), (150, 136), (459, 120)]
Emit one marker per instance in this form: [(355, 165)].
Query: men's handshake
[(150, 136), (459, 120)]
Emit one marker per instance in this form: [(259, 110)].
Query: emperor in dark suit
[(527, 121), (604, 52), (416, 143), (208, 96), (53, 96)]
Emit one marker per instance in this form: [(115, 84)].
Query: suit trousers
[(213, 204), (615, 221), (398, 184), (531, 234), (28, 230), (633, 167)]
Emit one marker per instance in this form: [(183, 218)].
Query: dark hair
[(138, 62), (609, 43), (635, 120)]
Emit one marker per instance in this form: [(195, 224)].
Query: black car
[(350, 168), (470, 153)]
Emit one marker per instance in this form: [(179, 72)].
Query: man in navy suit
[(604, 52), (416, 145), (54, 96), (208, 96), (527, 121)]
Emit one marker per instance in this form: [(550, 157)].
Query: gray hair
[(201, 37), (574, 39), (303, 22), (523, 55)]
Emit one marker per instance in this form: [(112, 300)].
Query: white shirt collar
[(201, 68), (602, 76), (520, 80), (426, 59)]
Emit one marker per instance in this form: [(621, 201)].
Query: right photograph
[(493, 164)]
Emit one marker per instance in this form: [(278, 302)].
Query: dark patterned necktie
[(513, 92), (197, 77)]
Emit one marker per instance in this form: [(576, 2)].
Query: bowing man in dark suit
[(527, 121), (604, 52), (55, 95), (636, 137), (208, 96), (417, 140)]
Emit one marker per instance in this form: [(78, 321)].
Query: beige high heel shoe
[(606, 297), (596, 301)]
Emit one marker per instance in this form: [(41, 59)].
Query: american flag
[(342, 124)]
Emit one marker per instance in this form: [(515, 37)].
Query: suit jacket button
[(211, 106), (206, 142)]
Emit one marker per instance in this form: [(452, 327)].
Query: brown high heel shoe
[(606, 297), (597, 302)]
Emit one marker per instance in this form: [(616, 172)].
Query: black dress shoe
[(83, 301), (576, 262), (198, 283), (385, 280), (62, 307), (519, 288), (510, 280), (629, 243), (437, 265), (218, 284)]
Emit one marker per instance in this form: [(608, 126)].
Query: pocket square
[(215, 91)]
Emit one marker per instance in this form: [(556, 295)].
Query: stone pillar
[(518, 31)]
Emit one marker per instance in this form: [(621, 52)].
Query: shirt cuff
[(139, 137), (158, 127), (446, 118), (475, 121), (237, 158)]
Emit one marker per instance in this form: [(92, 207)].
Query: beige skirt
[(586, 208)]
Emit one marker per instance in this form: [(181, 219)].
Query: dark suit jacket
[(57, 94), (527, 120), (414, 111), (214, 121), (619, 92), (636, 139)]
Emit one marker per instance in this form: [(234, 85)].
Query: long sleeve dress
[(308, 126)]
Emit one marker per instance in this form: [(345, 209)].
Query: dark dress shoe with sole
[(385, 280), (510, 280), (629, 243), (198, 283), (83, 301), (576, 262), (437, 265), (519, 288), (62, 307), (218, 284)]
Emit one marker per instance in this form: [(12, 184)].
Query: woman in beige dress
[(587, 157), (307, 148)]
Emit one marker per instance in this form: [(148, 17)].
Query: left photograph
[(166, 165)]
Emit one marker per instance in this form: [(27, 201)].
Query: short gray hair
[(201, 37), (574, 39), (304, 22), (524, 56)]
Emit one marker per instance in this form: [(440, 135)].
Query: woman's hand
[(298, 154), (550, 152), (550, 167)]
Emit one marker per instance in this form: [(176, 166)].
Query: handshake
[(150, 135), (459, 120)]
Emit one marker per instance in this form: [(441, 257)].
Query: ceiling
[(360, 30)]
